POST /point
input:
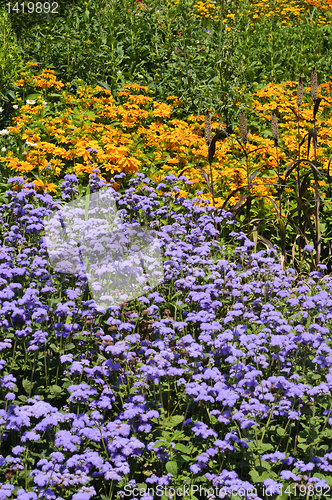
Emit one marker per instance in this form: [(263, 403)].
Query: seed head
[(299, 93), (314, 85), (243, 127), (207, 130), (274, 124)]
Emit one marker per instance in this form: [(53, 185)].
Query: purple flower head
[(67, 186), (6, 491), (272, 487), (17, 450)]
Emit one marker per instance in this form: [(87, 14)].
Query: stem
[(212, 187), (248, 189), (32, 373), (279, 183), (45, 365), (328, 415), (313, 431), (213, 198), (185, 414), (111, 491), (317, 203), (259, 456), (26, 469), (298, 178), (268, 421)]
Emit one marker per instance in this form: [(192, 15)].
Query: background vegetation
[(211, 54)]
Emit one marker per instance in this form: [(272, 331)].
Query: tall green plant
[(11, 63)]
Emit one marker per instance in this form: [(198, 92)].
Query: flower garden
[(216, 383)]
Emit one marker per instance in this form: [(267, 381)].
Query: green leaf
[(69, 347), (254, 476), (266, 465), (283, 496), (173, 421), (328, 479), (33, 96), (104, 84), (27, 385), (141, 486), (54, 347), (160, 443), (266, 447), (182, 447), (172, 468), (56, 389), (257, 478), (328, 433)]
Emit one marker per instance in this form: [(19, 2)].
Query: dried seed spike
[(207, 130), (243, 127), (314, 85), (314, 138), (274, 124), (299, 99)]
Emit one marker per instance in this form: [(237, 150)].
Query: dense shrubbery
[(11, 63), (210, 54)]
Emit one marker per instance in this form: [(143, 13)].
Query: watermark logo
[(188, 492), (120, 260)]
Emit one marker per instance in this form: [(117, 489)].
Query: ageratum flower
[(225, 342)]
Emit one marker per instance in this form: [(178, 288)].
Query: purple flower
[(272, 487), (6, 491), (201, 429), (66, 440), (10, 396), (25, 495), (287, 474), (8, 381), (30, 436), (17, 450), (274, 457)]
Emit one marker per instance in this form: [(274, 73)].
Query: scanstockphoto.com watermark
[(190, 491), (193, 491)]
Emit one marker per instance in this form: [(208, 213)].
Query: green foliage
[(11, 63), (163, 45)]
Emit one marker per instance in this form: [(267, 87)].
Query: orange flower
[(39, 185), (162, 110), (129, 164), (20, 166), (83, 145), (135, 86)]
